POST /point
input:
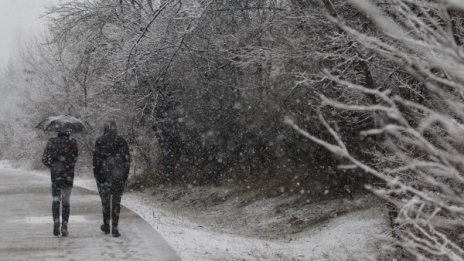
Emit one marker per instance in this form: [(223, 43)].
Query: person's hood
[(110, 128)]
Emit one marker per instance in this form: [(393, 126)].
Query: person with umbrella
[(111, 163), (60, 155)]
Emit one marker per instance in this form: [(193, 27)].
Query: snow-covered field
[(223, 232)]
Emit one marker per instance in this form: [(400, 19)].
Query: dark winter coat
[(111, 159), (60, 155)]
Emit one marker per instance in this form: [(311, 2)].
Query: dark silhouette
[(60, 156), (111, 163)]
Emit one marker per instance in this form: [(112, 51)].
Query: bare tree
[(422, 164)]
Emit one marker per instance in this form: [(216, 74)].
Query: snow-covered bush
[(421, 159)]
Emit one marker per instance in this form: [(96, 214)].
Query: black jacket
[(111, 159), (60, 155)]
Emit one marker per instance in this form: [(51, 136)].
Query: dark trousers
[(111, 196), (61, 196)]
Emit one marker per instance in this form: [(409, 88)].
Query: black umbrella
[(64, 123)]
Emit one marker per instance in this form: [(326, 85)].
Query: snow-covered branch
[(422, 161)]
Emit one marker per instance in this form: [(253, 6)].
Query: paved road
[(26, 226)]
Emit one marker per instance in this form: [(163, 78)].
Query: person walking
[(60, 155), (111, 164)]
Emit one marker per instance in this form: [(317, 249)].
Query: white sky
[(19, 20)]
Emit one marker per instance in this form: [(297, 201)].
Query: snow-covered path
[(26, 226)]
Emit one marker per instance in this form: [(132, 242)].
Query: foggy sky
[(19, 21)]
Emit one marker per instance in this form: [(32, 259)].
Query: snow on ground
[(357, 235), (351, 236)]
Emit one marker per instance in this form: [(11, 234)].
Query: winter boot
[(115, 232), (105, 228), (56, 228), (64, 229)]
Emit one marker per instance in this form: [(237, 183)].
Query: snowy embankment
[(265, 229), (353, 236)]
